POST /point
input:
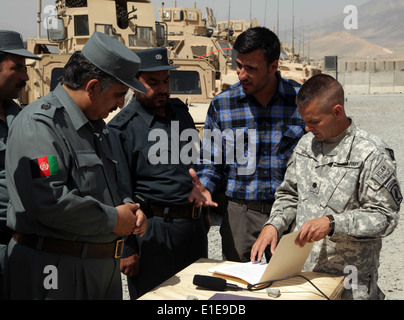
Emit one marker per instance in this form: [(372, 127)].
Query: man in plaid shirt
[(260, 125)]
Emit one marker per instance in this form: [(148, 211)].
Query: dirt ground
[(383, 115)]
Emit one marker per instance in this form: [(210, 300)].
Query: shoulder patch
[(44, 166), (394, 189), (383, 173)]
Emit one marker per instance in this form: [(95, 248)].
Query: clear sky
[(20, 15), (309, 11)]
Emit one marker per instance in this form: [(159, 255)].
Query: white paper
[(288, 259), (247, 271)]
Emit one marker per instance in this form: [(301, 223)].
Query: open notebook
[(288, 259)]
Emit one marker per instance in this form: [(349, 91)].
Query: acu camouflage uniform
[(356, 183)]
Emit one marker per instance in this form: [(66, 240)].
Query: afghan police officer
[(340, 190), (176, 234), (13, 77), (65, 209)]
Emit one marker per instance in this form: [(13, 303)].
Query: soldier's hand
[(313, 230), (141, 223), (126, 221), (268, 236), (200, 196), (130, 266)]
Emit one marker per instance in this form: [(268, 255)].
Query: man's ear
[(338, 111), (274, 66), (92, 86)]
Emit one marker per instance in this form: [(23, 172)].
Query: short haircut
[(79, 70), (327, 90), (259, 38)]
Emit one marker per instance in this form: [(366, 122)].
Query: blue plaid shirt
[(268, 136)]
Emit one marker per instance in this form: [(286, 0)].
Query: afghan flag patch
[(45, 166)]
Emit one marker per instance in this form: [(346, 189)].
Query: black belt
[(175, 212), (5, 235), (71, 248), (259, 206)]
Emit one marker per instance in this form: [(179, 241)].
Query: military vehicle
[(189, 36), (232, 28), (133, 23), (72, 24), (291, 67)]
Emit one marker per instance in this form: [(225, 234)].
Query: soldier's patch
[(383, 173), (394, 190), (44, 166)]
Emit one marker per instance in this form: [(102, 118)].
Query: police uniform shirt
[(152, 147), (356, 183), (61, 177), (11, 110)]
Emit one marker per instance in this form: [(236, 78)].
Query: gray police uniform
[(175, 240), (11, 110), (62, 209), (355, 181)]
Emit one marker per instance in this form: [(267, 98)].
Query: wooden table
[(180, 286)]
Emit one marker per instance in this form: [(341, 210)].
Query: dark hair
[(78, 70), (3, 57), (259, 38), (323, 87)]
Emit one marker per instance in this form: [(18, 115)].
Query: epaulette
[(123, 117), (47, 106)]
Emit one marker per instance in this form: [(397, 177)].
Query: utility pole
[(39, 12), (277, 22), (293, 28), (228, 26), (250, 12)]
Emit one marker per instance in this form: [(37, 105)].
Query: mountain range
[(379, 33)]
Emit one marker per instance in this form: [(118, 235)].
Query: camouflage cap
[(155, 59), (11, 42), (114, 58)]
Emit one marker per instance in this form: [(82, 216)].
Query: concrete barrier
[(370, 77)]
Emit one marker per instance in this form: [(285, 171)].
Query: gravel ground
[(382, 115)]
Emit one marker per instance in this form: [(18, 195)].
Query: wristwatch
[(332, 224)]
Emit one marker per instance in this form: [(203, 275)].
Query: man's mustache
[(22, 84), (163, 95)]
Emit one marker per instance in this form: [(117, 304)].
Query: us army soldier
[(340, 190)]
